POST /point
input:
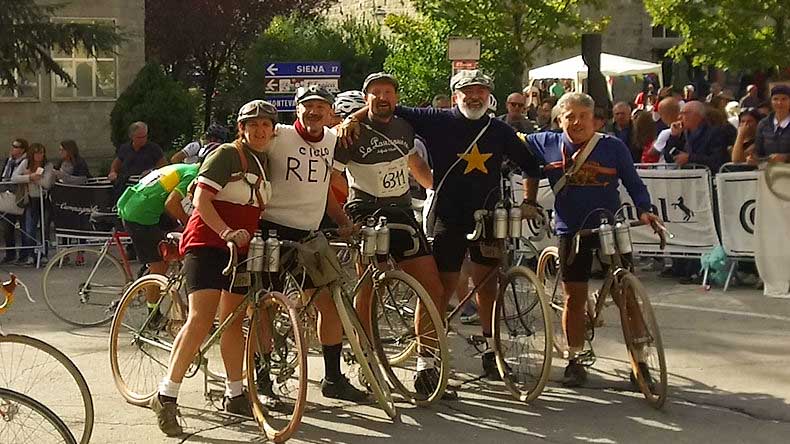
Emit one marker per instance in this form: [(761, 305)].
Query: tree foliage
[(203, 40), (737, 34), (161, 102), (27, 37)]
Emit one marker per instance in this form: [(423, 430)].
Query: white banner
[(736, 194), (681, 198)]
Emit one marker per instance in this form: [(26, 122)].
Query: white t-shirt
[(661, 143), (191, 152), (299, 172)]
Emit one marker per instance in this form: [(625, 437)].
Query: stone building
[(47, 110)]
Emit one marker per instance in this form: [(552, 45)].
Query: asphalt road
[(727, 356)]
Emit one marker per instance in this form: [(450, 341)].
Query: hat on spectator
[(469, 77), (780, 89), (376, 76)]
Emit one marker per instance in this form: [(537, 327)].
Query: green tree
[(27, 37), (511, 31), (161, 102), (736, 34)]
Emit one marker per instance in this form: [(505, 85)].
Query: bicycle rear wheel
[(395, 298), (363, 352), (24, 420), (643, 340), (522, 334), (140, 345), (82, 287), (39, 370), (287, 365), (549, 277)]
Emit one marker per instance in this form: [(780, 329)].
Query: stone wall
[(87, 121)]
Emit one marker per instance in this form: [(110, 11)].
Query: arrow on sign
[(271, 85), (272, 69)]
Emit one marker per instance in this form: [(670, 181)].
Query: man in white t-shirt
[(300, 164), (195, 152)]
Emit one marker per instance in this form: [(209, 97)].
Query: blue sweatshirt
[(474, 182), (594, 185)]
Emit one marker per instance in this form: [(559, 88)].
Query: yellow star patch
[(475, 160)]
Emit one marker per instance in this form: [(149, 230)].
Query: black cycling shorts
[(580, 269), (203, 270), (145, 239), (402, 245), (289, 262), (450, 246)]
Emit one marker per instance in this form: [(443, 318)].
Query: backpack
[(243, 175)]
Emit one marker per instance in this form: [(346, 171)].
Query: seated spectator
[(747, 131), (196, 151), (137, 156), (37, 173), (644, 136), (71, 168), (693, 140), (772, 141), (8, 222), (750, 100)]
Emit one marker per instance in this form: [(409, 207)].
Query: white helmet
[(347, 102)]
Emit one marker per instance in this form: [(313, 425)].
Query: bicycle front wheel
[(39, 370), (401, 338), (364, 353), (522, 333), (141, 340), (643, 340), (275, 334), (81, 286), (549, 277), (24, 420)]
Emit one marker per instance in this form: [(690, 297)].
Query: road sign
[(303, 69), (290, 85), (283, 103)]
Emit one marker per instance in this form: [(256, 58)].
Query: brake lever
[(232, 260), (479, 216)]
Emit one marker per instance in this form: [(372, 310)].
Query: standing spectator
[(556, 89), (773, 136), (516, 104), (715, 90), (71, 168), (37, 174), (747, 133), (750, 100), (733, 110), (644, 136), (196, 151), (599, 119), (8, 222), (641, 99), (622, 129), (689, 93), (441, 101), (693, 140), (136, 156), (544, 114), (668, 112), (532, 94)]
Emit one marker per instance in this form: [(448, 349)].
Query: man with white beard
[(467, 148)]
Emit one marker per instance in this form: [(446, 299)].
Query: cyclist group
[(277, 176)]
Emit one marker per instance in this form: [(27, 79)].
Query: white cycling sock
[(234, 388), (169, 388), (425, 363)]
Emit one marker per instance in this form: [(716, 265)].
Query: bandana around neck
[(302, 131)]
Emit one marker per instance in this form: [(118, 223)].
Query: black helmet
[(218, 132)]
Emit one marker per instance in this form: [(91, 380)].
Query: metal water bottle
[(606, 236), (500, 222), (515, 222), (256, 253), (382, 236), (272, 253), (369, 238), (622, 234)]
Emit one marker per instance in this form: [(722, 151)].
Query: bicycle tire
[(513, 312), (130, 329), (60, 276), (400, 311), (364, 352), (288, 338), (549, 276), (13, 375), (649, 342), (7, 436)]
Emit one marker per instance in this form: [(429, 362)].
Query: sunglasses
[(520, 105)]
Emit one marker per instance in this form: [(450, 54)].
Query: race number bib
[(392, 178)]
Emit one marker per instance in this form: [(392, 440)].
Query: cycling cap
[(376, 76), (347, 102), (313, 92), (257, 108), (469, 77)]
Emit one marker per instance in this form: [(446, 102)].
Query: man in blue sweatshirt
[(593, 186)]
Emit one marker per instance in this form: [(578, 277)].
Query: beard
[(472, 113)]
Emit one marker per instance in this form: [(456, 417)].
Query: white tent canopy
[(611, 66)]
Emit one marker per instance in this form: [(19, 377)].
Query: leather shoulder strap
[(578, 162)]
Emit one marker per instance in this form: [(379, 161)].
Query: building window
[(28, 87), (661, 32), (94, 78)]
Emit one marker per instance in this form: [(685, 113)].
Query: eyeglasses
[(520, 105)]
